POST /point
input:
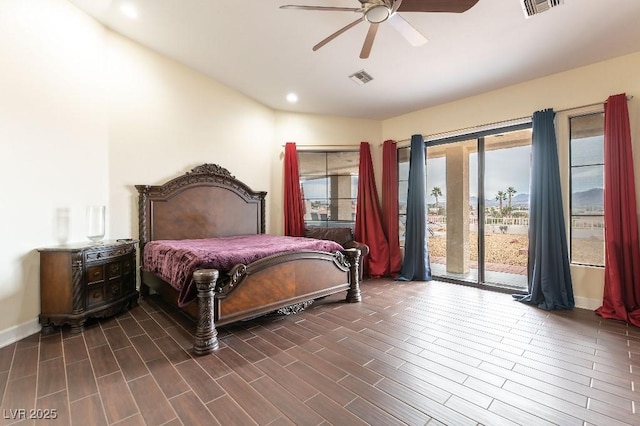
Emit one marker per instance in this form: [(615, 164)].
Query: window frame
[(330, 199), (571, 167)]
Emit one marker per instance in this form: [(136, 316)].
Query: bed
[(208, 202)]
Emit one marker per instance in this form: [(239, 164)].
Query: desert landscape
[(511, 249)]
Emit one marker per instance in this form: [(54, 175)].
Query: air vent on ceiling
[(361, 77), (533, 7)]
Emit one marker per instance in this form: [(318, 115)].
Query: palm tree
[(510, 192), (436, 192), (500, 198)]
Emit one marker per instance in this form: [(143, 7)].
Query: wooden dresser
[(79, 281)]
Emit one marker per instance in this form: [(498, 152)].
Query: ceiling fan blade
[(325, 8), (337, 33), (408, 31), (453, 6), (368, 41)]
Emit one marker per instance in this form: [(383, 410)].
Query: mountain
[(516, 200), (590, 198)]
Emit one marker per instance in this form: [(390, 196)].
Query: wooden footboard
[(268, 285)]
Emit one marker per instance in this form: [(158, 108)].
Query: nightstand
[(80, 281)]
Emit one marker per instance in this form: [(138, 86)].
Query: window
[(587, 193), (329, 183)]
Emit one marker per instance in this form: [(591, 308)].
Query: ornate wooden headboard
[(203, 203)]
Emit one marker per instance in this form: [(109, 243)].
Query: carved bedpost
[(206, 339), (353, 256)]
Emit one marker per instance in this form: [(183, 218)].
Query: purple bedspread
[(175, 261)]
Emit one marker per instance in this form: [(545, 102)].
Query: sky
[(504, 168)]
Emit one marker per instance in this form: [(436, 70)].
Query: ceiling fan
[(378, 11)]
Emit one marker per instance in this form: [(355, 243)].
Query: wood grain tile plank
[(131, 365), (25, 363), (398, 408), (88, 411), (260, 410), (270, 351), (20, 393), (199, 381), (50, 347), (213, 365), (117, 338), (371, 414), (75, 349), (227, 412), (94, 336), (287, 401), (155, 409), (119, 403), (54, 409), (6, 356), (294, 384), (322, 383), (334, 413), (147, 349), (151, 327), (80, 380), (517, 415), (238, 364), (167, 377), (131, 327), (172, 350), (103, 361), (245, 350), (191, 410), (51, 377)]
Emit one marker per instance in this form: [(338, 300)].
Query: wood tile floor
[(410, 353)]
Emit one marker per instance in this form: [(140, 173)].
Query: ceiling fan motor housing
[(377, 11)]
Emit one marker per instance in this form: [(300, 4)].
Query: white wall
[(165, 119), (53, 134), (567, 90)]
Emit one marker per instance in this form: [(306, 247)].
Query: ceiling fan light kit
[(376, 12)]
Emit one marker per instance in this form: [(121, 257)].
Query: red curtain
[(621, 299), (293, 204), (368, 220), (390, 204)]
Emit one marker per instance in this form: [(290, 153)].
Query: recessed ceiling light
[(292, 98), (129, 10)]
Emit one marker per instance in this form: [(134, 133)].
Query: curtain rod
[(515, 120), (355, 147)]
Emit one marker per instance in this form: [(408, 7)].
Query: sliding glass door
[(477, 206)]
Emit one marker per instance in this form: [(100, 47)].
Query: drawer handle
[(96, 295), (96, 274)]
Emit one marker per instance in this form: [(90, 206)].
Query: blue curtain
[(415, 266), (548, 273)]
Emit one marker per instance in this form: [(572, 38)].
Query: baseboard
[(585, 303), (18, 332)]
